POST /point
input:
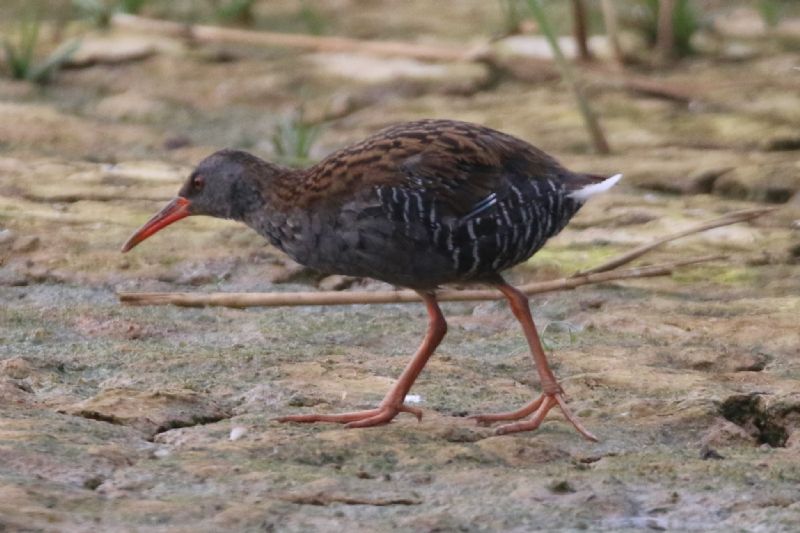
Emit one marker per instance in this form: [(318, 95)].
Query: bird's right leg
[(392, 403), (552, 395)]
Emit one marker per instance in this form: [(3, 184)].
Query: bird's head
[(224, 185)]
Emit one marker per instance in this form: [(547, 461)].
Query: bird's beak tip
[(172, 212)]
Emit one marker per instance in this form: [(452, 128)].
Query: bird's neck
[(271, 201), (286, 188), (265, 187)]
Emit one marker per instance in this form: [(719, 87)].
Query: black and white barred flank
[(500, 231)]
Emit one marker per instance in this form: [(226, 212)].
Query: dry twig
[(660, 89), (612, 30), (726, 220), (215, 34), (665, 35), (278, 299), (605, 272), (580, 31), (593, 127)]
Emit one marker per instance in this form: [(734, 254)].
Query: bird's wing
[(464, 169)]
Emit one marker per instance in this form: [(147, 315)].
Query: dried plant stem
[(240, 300), (579, 30), (665, 36), (659, 89), (213, 34), (590, 119), (730, 218), (612, 30), (608, 271)]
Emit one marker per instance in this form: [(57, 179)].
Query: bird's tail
[(591, 185)]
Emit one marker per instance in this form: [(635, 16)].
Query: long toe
[(356, 419), (382, 417), (547, 402), (342, 418), (522, 412)]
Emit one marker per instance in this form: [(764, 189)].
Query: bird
[(419, 205)]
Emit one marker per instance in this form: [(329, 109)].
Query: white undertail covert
[(587, 192)]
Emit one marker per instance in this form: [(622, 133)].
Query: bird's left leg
[(392, 403), (552, 395)]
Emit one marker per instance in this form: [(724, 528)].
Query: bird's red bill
[(172, 212)]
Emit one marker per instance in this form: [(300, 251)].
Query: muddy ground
[(120, 418)]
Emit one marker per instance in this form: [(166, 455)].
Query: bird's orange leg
[(552, 395), (392, 403)]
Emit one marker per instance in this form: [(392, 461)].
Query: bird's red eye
[(198, 182)]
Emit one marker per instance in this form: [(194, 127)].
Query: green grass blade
[(236, 10), (132, 6), (590, 119), (13, 61), (28, 37), (293, 139), (96, 10), (43, 72)]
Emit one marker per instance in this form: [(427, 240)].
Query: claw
[(413, 410), (574, 420)]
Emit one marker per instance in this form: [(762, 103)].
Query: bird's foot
[(357, 419), (522, 412), (539, 407)]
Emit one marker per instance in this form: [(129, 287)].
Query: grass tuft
[(238, 11), (313, 19), (294, 138), (685, 23), (101, 11), (131, 6), (21, 56), (771, 12), (98, 11)]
